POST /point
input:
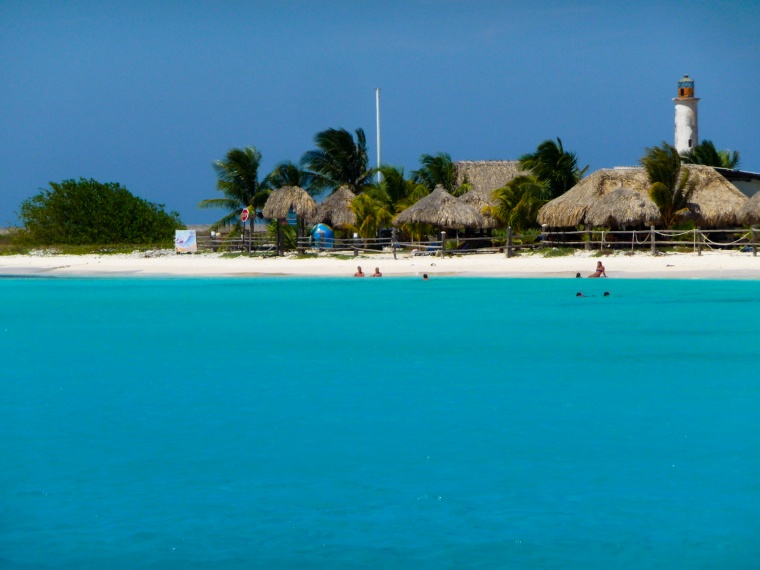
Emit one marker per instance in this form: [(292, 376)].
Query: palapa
[(717, 201), (487, 175), (335, 210), (749, 213), (441, 209), (481, 202), (623, 207), (287, 198), (569, 209)]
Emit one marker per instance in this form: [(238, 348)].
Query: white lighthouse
[(687, 134)]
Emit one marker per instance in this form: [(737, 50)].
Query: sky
[(149, 94)]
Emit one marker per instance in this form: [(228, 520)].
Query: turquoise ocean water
[(379, 423)]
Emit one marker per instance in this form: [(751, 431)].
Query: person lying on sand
[(599, 270)]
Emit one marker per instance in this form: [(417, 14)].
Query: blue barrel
[(322, 236)]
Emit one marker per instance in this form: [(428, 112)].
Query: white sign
[(185, 242)]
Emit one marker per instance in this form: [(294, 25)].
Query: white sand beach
[(710, 265)]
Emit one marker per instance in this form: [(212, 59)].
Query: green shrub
[(88, 212)]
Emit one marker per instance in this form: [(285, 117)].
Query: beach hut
[(481, 200), (569, 209), (716, 201), (486, 175), (749, 213), (281, 202), (623, 208), (443, 210), (335, 210)]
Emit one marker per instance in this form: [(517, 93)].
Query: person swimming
[(377, 272), (359, 272), (599, 270)]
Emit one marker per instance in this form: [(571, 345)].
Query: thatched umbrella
[(335, 210), (480, 201), (749, 213), (487, 175), (716, 200), (623, 207), (570, 209), (441, 209), (282, 201)]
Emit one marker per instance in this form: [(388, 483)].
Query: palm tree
[(671, 189), (289, 174), (706, 153), (519, 201), (401, 192), (438, 170), (372, 212), (238, 180), (338, 160), (553, 166)]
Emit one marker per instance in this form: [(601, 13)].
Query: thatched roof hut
[(623, 207), (749, 213), (717, 200), (714, 203), (441, 209), (480, 201), (287, 198), (487, 175), (335, 210), (570, 209)]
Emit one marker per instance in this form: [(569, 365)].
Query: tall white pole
[(377, 107)]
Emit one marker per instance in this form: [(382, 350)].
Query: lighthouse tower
[(687, 136)]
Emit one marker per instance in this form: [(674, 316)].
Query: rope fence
[(590, 239)]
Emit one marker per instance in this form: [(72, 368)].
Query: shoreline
[(710, 265)]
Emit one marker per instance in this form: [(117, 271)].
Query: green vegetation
[(671, 189), (519, 201), (86, 212), (238, 180), (338, 160), (554, 167), (556, 251), (439, 170), (705, 153)]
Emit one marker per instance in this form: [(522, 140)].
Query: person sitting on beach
[(377, 272), (599, 270), (359, 272)]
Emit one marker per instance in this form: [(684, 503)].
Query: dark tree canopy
[(553, 166), (338, 160), (86, 212)]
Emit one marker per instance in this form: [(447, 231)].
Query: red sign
[(244, 214)]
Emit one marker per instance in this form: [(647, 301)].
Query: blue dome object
[(323, 236)]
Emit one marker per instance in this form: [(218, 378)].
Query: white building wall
[(686, 135)]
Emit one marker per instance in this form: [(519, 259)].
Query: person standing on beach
[(359, 272)]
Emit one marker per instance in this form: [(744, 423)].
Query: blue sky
[(148, 94)]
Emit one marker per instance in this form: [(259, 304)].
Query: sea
[(313, 423)]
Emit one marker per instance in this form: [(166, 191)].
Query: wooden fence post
[(443, 244), (699, 241), (509, 242), (651, 235), (394, 238), (588, 237), (754, 241)]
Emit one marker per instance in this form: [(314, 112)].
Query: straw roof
[(480, 201), (487, 175), (717, 201), (335, 210), (749, 213), (570, 208), (623, 207), (287, 198), (441, 209)]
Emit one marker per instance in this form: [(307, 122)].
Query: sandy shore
[(711, 265)]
